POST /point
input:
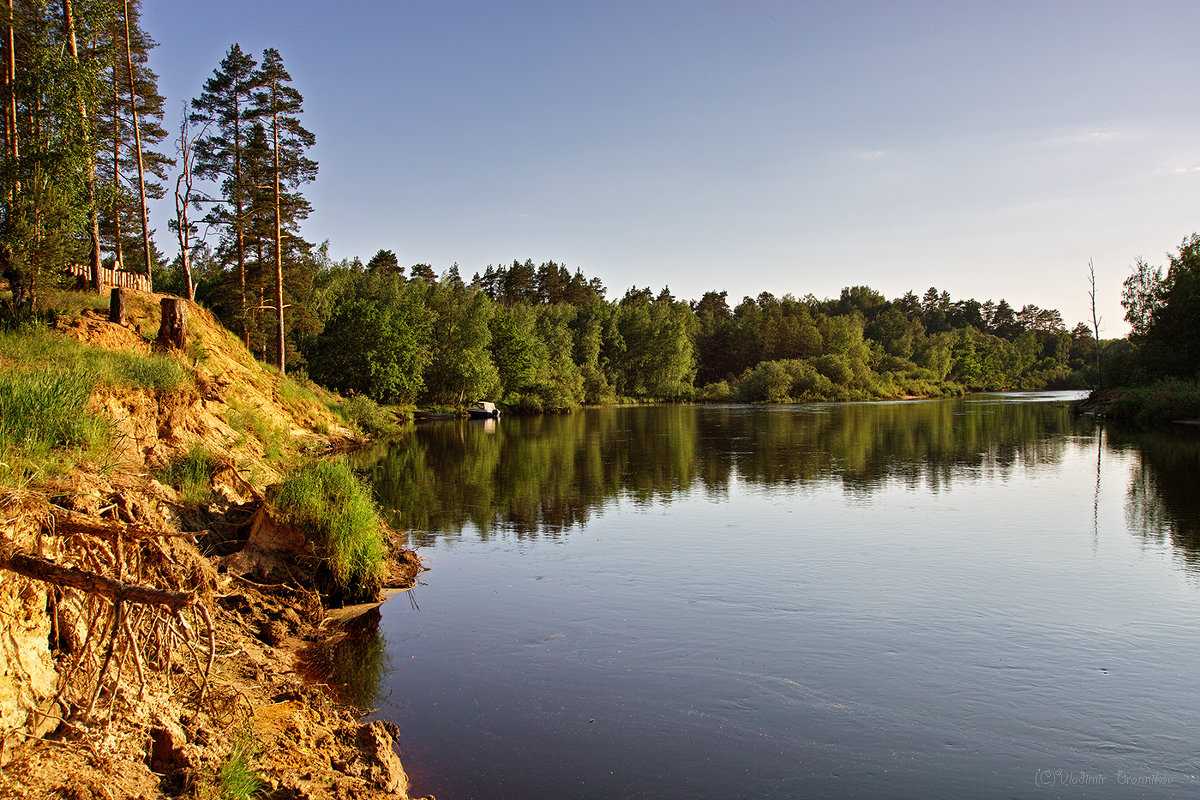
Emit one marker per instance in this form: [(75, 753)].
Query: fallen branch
[(42, 570), (67, 521)]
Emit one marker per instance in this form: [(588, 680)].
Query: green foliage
[(1162, 401), (460, 370), (507, 338), (43, 181), (327, 500), (718, 392), (376, 340), (366, 415), (1164, 313)]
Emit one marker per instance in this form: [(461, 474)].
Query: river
[(972, 597)]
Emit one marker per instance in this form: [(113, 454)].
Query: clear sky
[(988, 149)]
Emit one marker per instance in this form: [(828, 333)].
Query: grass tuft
[(236, 778), (191, 474), (238, 781), (43, 409), (328, 500)]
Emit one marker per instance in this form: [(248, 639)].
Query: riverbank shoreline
[(1156, 404), (164, 700)]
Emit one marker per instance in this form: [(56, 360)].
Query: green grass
[(274, 440), (45, 425), (54, 300), (191, 474), (46, 380), (237, 780), (328, 501), (32, 347)]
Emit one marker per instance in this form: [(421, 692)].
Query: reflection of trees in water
[(549, 474), (351, 662), (1163, 502)]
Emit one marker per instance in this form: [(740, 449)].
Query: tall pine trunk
[(93, 208), (137, 140), (118, 243), (279, 344), (10, 84), (239, 217)]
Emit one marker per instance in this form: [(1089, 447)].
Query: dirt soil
[(102, 697)]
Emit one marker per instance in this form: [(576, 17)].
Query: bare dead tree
[(1095, 322), (186, 197)]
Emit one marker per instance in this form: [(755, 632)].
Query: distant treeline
[(541, 338), (82, 154)]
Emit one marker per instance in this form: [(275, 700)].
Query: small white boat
[(484, 410)]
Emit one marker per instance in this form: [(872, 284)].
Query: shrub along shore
[(1156, 403)]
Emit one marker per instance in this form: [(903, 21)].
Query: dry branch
[(42, 570), (67, 522)]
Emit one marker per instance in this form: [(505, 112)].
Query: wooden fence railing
[(113, 277)]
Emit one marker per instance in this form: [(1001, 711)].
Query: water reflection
[(985, 614), (1163, 501), (546, 475), (351, 662)]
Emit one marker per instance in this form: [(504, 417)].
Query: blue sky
[(989, 150)]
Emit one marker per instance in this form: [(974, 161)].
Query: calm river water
[(978, 597)]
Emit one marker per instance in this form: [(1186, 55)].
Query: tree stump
[(173, 330), (116, 306)]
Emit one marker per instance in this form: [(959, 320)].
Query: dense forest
[(85, 129)]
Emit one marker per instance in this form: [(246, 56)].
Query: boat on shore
[(483, 410)]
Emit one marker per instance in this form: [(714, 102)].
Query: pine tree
[(43, 186), (226, 103), (280, 104), (70, 33), (130, 115)]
